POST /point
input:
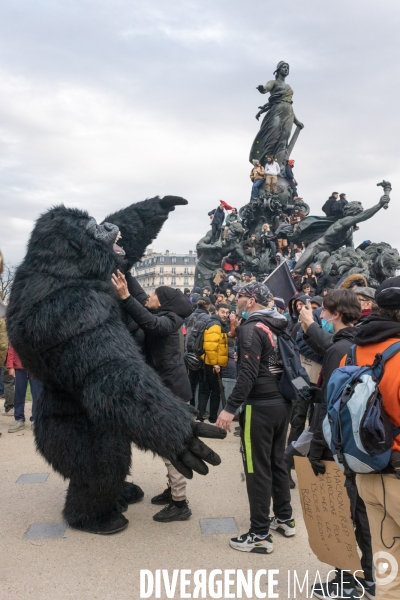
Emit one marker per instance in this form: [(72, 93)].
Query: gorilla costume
[(99, 396)]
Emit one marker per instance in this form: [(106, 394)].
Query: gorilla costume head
[(99, 395)]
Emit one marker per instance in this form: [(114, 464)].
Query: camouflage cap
[(259, 291)]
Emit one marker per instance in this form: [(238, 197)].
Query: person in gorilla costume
[(99, 396)]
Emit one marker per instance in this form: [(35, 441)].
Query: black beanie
[(174, 300), (388, 294)]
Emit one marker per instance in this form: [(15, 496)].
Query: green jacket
[(230, 218)]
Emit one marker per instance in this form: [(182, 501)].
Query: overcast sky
[(107, 102)]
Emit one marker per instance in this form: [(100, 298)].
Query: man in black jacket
[(328, 281), (161, 327), (264, 419), (329, 204)]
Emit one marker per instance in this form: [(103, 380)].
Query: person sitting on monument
[(231, 219), (257, 176), (251, 246), (272, 170), (340, 233), (290, 177), (296, 216), (267, 239), (281, 233)]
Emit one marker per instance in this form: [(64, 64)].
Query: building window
[(186, 271), (161, 259), (161, 280), (173, 260), (186, 281), (173, 270), (186, 260), (173, 281), (161, 269)]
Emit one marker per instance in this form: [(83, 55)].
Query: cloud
[(106, 103)]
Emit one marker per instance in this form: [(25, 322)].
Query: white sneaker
[(251, 542), (286, 528), (8, 413), (17, 426)]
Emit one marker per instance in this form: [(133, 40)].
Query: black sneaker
[(367, 588), (172, 512), (251, 542), (163, 499)]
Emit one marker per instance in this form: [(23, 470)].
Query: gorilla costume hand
[(197, 453)]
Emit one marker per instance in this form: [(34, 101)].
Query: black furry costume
[(64, 321)]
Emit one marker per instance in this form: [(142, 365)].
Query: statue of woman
[(273, 137)]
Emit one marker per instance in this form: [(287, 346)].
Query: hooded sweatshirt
[(374, 336), (258, 360)]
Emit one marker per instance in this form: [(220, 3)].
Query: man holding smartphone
[(264, 418)]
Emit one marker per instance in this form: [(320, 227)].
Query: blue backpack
[(356, 427)]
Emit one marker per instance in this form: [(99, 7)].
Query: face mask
[(327, 325), (245, 314)]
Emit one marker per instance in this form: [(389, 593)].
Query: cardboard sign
[(313, 368), (326, 512)]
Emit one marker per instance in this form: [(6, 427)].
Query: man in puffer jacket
[(215, 345)]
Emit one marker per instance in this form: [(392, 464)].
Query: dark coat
[(341, 344), (255, 346), (162, 346), (219, 216), (328, 206)]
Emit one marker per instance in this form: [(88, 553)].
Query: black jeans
[(263, 429), (209, 388), (216, 232), (361, 526)]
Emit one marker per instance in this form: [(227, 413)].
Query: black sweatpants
[(264, 425), (209, 388)]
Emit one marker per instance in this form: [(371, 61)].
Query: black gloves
[(169, 202), (196, 451), (317, 466), (312, 394)]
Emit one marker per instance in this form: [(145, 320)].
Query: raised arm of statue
[(351, 220)]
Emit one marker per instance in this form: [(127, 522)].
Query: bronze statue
[(276, 127), (340, 233)]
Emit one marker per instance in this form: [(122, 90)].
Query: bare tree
[(6, 281)]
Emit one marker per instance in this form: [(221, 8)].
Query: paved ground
[(89, 567)]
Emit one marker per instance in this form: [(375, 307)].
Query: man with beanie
[(264, 419), (161, 320), (381, 492)]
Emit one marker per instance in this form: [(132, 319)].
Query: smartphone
[(308, 301), (300, 383)]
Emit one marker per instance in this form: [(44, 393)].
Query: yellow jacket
[(215, 344)]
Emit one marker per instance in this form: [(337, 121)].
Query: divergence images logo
[(385, 563)]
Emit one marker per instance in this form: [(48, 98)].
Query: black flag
[(280, 282)]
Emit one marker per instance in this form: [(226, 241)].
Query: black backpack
[(292, 367), (194, 344)]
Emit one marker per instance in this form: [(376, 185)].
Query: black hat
[(259, 291), (388, 294), (280, 303)]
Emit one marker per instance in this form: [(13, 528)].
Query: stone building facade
[(164, 268)]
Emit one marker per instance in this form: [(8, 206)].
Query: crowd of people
[(221, 350)]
